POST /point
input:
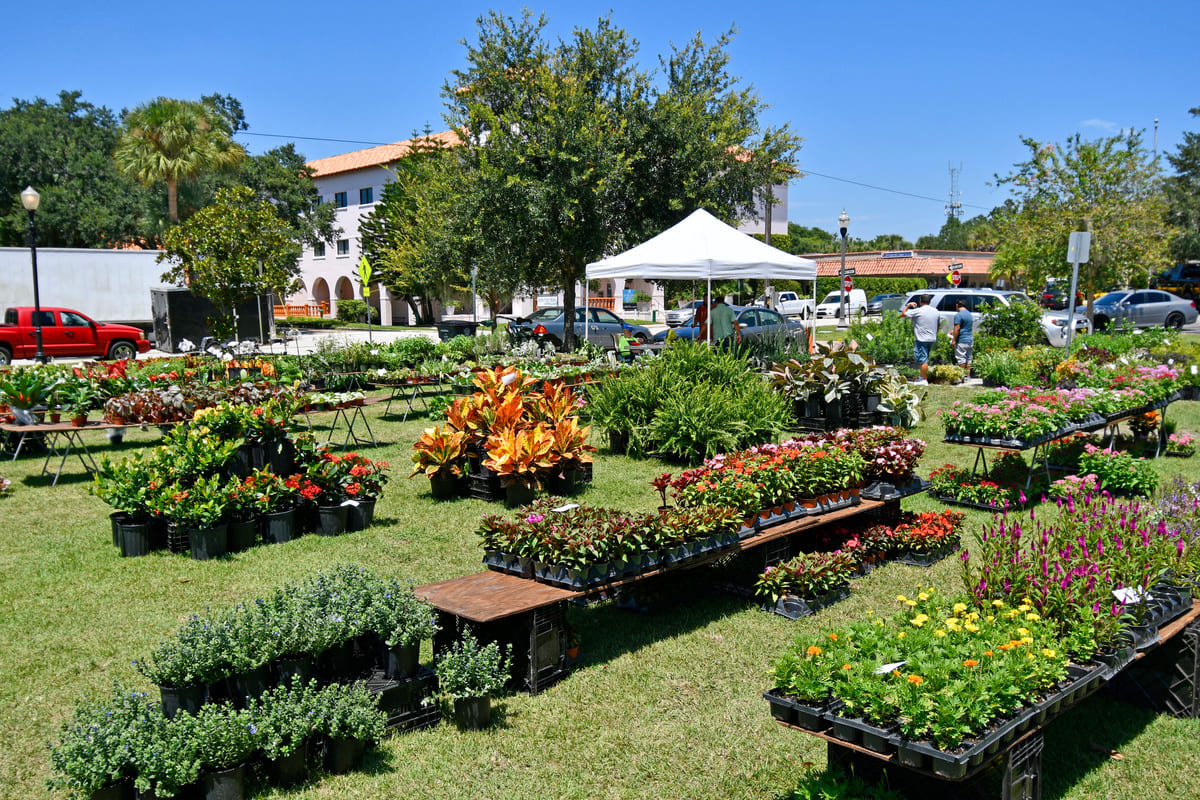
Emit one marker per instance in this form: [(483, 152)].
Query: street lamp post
[(843, 222), (30, 199)]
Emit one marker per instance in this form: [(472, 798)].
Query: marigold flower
[(939, 632), (988, 653), (910, 603), (923, 596), (846, 666), (915, 680), (901, 598), (959, 608), (813, 650), (1048, 653), (997, 604), (833, 637), (970, 662), (1032, 616)]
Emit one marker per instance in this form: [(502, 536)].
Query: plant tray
[(881, 490), (485, 487), (951, 501), (926, 559), (857, 731), (924, 756), (793, 607), (1114, 661), (793, 712)]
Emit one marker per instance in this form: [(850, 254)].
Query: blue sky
[(887, 94)]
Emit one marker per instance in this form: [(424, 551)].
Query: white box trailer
[(107, 285)]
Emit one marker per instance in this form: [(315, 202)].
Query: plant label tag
[(1195, 370), (1170, 362), (1124, 360), (375, 351), (381, 371), (567, 507), (352, 503), (870, 338), (509, 379), (1137, 331), (886, 668), (1129, 595)]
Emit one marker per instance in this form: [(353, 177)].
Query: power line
[(885, 189), (312, 138)]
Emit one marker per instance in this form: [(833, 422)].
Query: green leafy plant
[(224, 736), (468, 669), (93, 749), (401, 618), (283, 718), (347, 711)]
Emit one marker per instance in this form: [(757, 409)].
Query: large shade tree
[(1108, 187), (573, 153), (232, 251), (168, 140), (1183, 195)]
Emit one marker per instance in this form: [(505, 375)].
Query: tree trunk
[(173, 200), (569, 308)]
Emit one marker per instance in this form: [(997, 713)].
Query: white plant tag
[(1137, 331), (381, 371), (1129, 595), (350, 503), (1124, 360), (375, 352), (567, 507), (1195, 370), (886, 668), (870, 338)]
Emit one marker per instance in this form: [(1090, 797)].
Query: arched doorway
[(320, 295), (345, 289)]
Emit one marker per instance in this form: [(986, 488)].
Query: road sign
[(1078, 246), (847, 283), (956, 277), (847, 271)]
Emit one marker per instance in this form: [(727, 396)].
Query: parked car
[(1054, 323), (790, 304), (682, 315), (1144, 308), (66, 333), (856, 304), (753, 323), (546, 325), (875, 304)]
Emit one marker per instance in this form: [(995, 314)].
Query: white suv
[(1054, 323)]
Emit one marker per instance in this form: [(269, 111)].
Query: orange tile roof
[(922, 262), (377, 156)]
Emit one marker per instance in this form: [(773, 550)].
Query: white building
[(354, 182)]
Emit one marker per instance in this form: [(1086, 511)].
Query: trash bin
[(448, 330)]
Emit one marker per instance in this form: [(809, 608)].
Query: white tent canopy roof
[(700, 247)]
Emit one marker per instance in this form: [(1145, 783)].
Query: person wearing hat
[(624, 350), (925, 327), (963, 336)]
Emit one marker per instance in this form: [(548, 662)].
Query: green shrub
[(1018, 323), (356, 311), (1001, 367), (311, 322), (946, 373), (888, 340), (459, 348), (411, 350)]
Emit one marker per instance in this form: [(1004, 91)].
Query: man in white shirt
[(925, 327)]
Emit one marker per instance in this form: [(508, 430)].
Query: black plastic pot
[(344, 755), (182, 698), (208, 543), (226, 784), (360, 515), (278, 526), (121, 790), (242, 535), (403, 661), (291, 769), (473, 713), (331, 520), (302, 667), (136, 538), (248, 686)]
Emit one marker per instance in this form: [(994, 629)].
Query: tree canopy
[(1106, 186), (231, 251), (573, 154), (1183, 195)]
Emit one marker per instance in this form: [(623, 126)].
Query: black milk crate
[(178, 540), (776, 551), (585, 472), (547, 647), (485, 487), (536, 643), (408, 702)]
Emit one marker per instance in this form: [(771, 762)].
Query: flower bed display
[(580, 547), (807, 583), (1002, 487)]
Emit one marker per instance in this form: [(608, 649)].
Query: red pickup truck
[(67, 333)]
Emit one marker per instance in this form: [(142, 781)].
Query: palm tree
[(168, 140)]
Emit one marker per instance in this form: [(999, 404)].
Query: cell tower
[(954, 207)]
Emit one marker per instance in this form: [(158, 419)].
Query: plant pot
[(473, 713), (331, 520), (343, 755), (290, 769), (208, 543), (136, 538), (337, 662), (121, 790), (278, 526), (242, 463), (300, 666), (278, 456), (79, 420), (116, 518), (226, 784), (182, 698), (403, 661), (360, 514), (444, 487), (248, 686), (564, 483), (517, 495), (242, 535)]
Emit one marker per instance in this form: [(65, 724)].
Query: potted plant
[(92, 755), (363, 489), (284, 729), (225, 739), (165, 754), (440, 454), (250, 642), (402, 621), (275, 501), (128, 487), (349, 719), (183, 664), (241, 510), (520, 458), (325, 483), (200, 511), (469, 673), (77, 400)]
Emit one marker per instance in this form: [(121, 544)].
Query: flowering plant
[(201, 505), (93, 748), (928, 532), (367, 478), (325, 479), (1118, 471), (272, 492), (1182, 443), (808, 575)]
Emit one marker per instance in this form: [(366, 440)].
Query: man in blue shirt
[(963, 336)]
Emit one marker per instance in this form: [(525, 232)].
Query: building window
[(319, 250), (339, 199), (320, 199), (366, 196), (343, 247)]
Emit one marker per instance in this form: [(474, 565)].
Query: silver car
[(682, 315), (1054, 323), (1144, 308)]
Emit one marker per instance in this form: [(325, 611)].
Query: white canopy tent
[(702, 247)]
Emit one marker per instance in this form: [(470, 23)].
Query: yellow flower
[(920, 619), (972, 627), (1024, 607), (871, 612), (1026, 640), (901, 598), (923, 596), (997, 604), (1030, 655), (1032, 616), (1023, 632), (846, 666), (990, 618), (952, 623), (910, 603), (1048, 653), (959, 608), (900, 635), (939, 632), (972, 616)]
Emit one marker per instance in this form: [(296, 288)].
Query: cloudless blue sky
[(888, 94)]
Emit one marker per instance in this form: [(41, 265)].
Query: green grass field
[(663, 705)]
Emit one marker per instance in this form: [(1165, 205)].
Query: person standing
[(925, 327), (724, 324), (963, 336)]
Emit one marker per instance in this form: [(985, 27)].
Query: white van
[(856, 304)]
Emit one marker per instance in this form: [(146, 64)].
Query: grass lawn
[(664, 705)]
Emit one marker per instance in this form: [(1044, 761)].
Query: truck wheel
[(5, 356), (1174, 321), (119, 351)]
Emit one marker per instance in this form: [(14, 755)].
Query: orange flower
[(915, 680), (833, 637), (813, 650), (970, 662), (988, 653), (846, 666)]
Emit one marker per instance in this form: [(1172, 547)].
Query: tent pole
[(708, 314), (812, 321), (586, 306)]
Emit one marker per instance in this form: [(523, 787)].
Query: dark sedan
[(1144, 308), (753, 323), (546, 325)]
